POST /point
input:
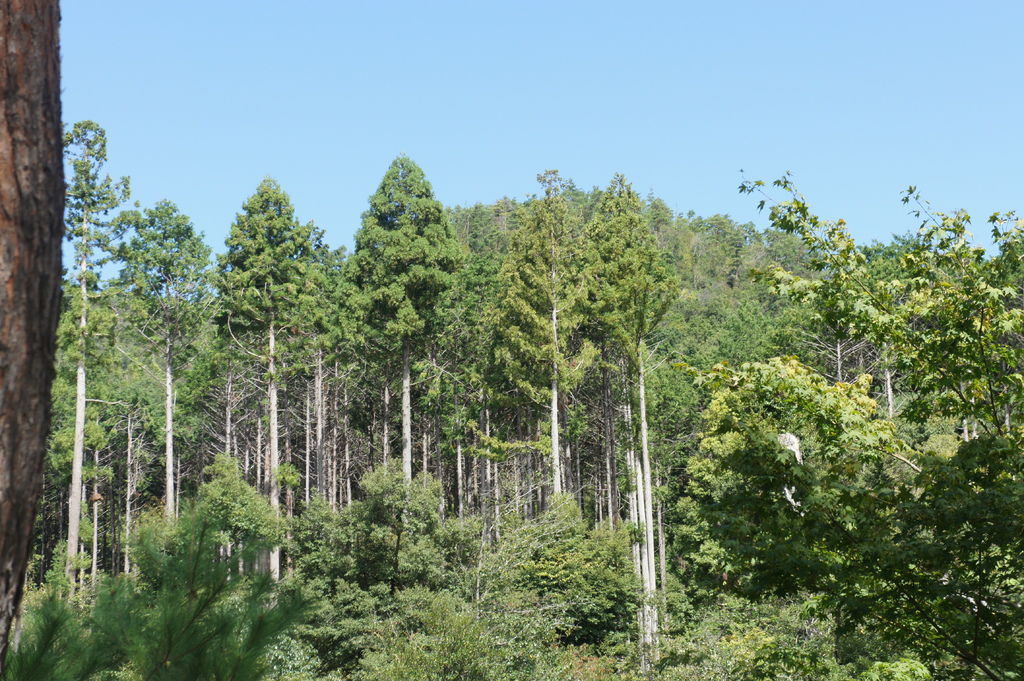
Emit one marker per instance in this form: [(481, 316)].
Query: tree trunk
[(387, 416), (309, 451), (612, 481), (227, 417), (556, 451), (78, 449), (406, 413), (650, 581), (459, 491), (31, 227), (95, 503), (129, 484), (889, 399), (169, 506), (78, 454), (274, 458), (662, 560), (318, 409), (347, 434)]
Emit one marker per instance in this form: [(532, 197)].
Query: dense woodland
[(573, 436)]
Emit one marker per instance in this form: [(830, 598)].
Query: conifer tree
[(405, 254), (90, 195), (631, 292), (265, 281), (167, 271), (541, 305)]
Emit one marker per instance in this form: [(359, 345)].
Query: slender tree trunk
[(129, 491), (260, 453), (663, 561), (633, 498), (94, 501), (273, 486), (227, 416), (168, 432), (609, 435), (839, 362), (423, 453), (318, 408), (889, 400), (556, 451), (459, 491), (78, 448), (406, 413), (348, 452), (387, 418), (177, 485), (650, 584), (309, 452)]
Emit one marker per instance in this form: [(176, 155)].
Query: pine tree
[(31, 198), (265, 281), (405, 254), (166, 269)]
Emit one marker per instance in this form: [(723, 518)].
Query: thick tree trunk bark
[(31, 228), (406, 413), (273, 486), (169, 506)]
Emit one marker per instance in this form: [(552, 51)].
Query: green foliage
[(583, 579), (187, 615), (542, 276), (265, 274), (900, 670), (920, 545), (405, 252), (737, 640), (436, 637), (231, 505), (352, 564), (166, 270), (631, 287), (90, 193)]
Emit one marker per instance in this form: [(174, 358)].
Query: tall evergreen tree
[(405, 254), (90, 195), (541, 305), (166, 268), (264, 278), (632, 291)]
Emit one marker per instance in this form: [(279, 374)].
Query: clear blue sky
[(202, 99)]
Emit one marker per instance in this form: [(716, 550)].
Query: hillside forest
[(577, 435)]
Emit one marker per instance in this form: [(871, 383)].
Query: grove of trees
[(634, 444)]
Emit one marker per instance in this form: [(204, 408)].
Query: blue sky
[(202, 99)]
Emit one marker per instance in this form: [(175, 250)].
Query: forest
[(572, 436)]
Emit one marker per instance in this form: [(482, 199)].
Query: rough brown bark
[(31, 227)]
